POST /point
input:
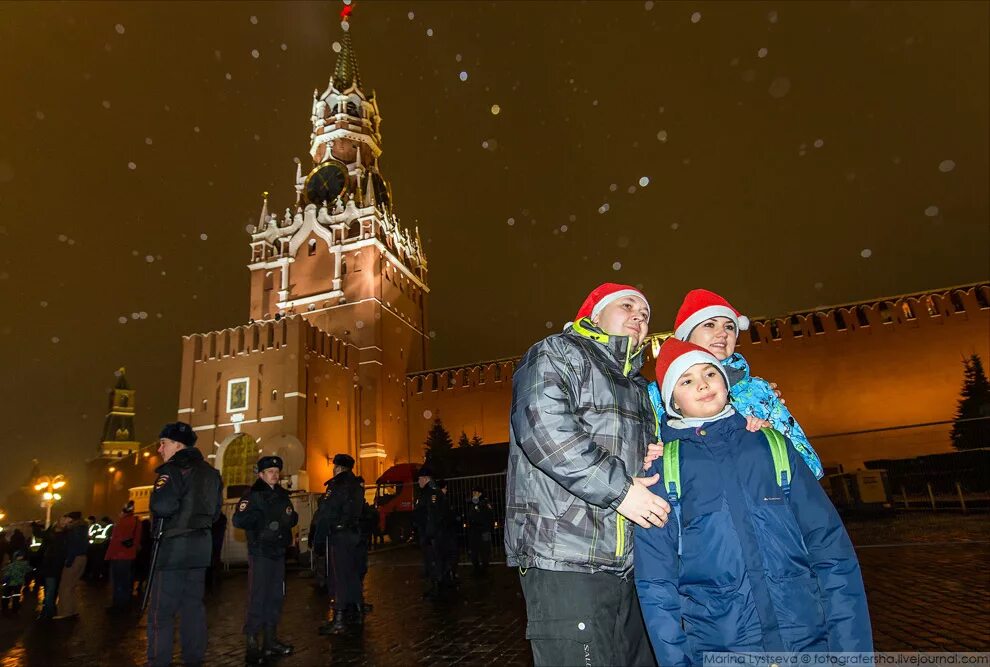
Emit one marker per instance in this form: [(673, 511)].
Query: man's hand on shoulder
[(642, 506)]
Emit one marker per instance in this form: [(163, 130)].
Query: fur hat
[(343, 460), (266, 462), (180, 432)]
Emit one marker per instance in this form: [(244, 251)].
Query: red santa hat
[(605, 294), (700, 305), (676, 356)]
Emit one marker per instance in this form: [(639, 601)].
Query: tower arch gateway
[(237, 456)]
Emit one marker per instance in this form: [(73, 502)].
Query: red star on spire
[(345, 13)]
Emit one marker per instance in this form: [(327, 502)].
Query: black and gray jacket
[(579, 426)]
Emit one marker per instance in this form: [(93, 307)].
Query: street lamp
[(48, 487)]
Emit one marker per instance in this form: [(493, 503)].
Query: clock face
[(325, 183)]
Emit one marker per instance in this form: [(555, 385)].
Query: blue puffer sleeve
[(654, 391), (833, 560), (656, 573), (781, 419)]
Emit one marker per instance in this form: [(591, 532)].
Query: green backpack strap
[(672, 481), (781, 463)]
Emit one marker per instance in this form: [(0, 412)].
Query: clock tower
[(340, 258)]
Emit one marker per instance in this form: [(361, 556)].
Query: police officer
[(431, 517), (184, 503), (266, 515), (481, 524), (340, 515)]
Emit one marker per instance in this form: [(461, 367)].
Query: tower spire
[(346, 72)]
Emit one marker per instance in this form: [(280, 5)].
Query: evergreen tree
[(476, 440), (463, 440), (438, 445), (971, 429)]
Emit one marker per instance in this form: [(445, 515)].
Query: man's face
[(700, 392), (717, 335), (167, 448), (270, 476), (475, 496), (627, 316), (423, 481)]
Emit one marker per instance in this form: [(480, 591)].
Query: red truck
[(394, 499)]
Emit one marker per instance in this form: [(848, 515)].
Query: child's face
[(628, 316), (700, 392), (717, 335)]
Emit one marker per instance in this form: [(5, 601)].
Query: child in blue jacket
[(755, 558), (708, 320)]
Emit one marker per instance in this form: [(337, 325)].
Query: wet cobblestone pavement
[(931, 596)]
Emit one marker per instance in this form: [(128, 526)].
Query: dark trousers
[(579, 618), (346, 577), (177, 592), (122, 576), (49, 609), (480, 546), (436, 557), (266, 590)]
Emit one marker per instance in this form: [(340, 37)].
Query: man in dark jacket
[(51, 563), (185, 501), (432, 518), (579, 427), (76, 548), (480, 525), (266, 515), (125, 541), (340, 517)]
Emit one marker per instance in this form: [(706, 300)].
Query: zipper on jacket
[(620, 536)]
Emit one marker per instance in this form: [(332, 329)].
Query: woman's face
[(717, 335)]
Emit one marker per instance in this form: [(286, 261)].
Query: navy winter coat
[(759, 571)]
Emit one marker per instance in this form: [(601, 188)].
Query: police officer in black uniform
[(266, 515), (184, 504), (339, 517), (480, 525), (431, 516)]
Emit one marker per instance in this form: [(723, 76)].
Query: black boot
[(335, 627), (253, 653), (272, 645)]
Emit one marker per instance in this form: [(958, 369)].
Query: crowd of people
[(72, 549)]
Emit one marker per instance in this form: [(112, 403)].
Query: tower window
[(312, 247), (205, 404), (274, 394)]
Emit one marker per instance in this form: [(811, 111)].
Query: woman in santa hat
[(708, 320)]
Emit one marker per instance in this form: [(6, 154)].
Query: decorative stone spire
[(264, 212)]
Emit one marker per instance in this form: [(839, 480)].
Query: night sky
[(786, 155)]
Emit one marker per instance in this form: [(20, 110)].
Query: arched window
[(312, 247), (239, 457)]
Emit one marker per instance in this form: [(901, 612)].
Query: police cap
[(180, 432), (266, 462), (425, 471), (343, 460)]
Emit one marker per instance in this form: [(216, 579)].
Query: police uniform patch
[(242, 506), (161, 481)]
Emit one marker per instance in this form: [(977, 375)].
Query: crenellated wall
[(889, 367)]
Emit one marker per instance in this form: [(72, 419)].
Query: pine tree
[(476, 441), (463, 440), (438, 445), (974, 408)]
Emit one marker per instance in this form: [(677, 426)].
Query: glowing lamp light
[(40, 486), (58, 485), (147, 454), (57, 496), (111, 469), (47, 495)]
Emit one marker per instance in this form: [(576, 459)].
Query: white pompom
[(743, 323)]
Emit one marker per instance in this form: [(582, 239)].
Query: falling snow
[(931, 211), (119, 28), (411, 15), (510, 222), (427, 414), (762, 53), (603, 208), (44, 304), (496, 109), (644, 181), (132, 166), (203, 237), (147, 140), (254, 20), (945, 166), (55, 339), (648, 5), (662, 136), (285, 47), (122, 319), (149, 259), (779, 87), (616, 266), (106, 104), (819, 143), (866, 253), (463, 76), (674, 226), (549, 324), (429, 32), (695, 17), (255, 53), (772, 16)]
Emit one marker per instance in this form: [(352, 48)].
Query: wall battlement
[(461, 377), (887, 314), (259, 337)]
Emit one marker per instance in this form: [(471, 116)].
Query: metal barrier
[(459, 496)]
